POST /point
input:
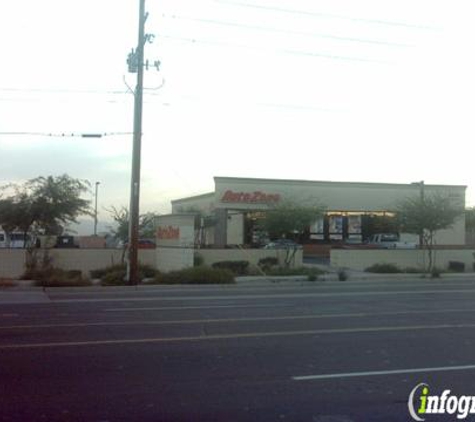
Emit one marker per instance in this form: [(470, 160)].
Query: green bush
[(56, 277), (436, 272), (236, 267), (456, 266), (342, 275), (114, 275), (198, 260), (101, 272), (265, 264), (114, 278), (384, 269), (195, 275)]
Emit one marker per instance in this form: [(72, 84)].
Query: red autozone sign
[(256, 197)]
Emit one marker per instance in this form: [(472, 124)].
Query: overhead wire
[(325, 15), (286, 31)]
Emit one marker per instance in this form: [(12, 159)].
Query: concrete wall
[(211, 256), (12, 261), (362, 259), (175, 241)]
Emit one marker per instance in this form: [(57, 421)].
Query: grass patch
[(196, 275)]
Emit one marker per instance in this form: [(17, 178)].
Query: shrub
[(198, 260), (101, 272), (265, 264), (56, 277), (312, 277), (342, 275), (114, 275), (195, 275), (435, 272), (456, 266), (114, 278), (384, 269), (236, 267)]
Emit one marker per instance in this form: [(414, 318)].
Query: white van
[(15, 240)]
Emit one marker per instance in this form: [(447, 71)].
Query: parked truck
[(389, 241)]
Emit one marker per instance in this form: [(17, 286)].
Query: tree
[(43, 205), (426, 216), (121, 229), (290, 220)]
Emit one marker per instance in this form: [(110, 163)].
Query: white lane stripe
[(388, 372), (184, 308), (236, 336), (230, 320), (267, 296)]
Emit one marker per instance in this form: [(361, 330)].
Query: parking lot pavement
[(315, 352)]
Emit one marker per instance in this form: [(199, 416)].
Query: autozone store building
[(351, 208)]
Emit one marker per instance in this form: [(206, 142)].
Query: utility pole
[(95, 208), (136, 59), (422, 197), (135, 62)]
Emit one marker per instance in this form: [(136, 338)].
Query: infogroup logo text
[(421, 403)]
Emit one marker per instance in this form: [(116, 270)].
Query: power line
[(288, 32), (63, 91), (66, 135), (280, 51), (326, 15)]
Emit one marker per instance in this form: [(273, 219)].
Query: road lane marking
[(229, 320), (180, 308), (388, 372), (267, 296), (236, 336)]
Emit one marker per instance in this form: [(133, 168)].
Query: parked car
[(282, 244)]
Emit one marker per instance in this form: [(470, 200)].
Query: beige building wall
[(246, 194)]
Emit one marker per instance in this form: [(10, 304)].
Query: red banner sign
[(168, 233), (256, 197)]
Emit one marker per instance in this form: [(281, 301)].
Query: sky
[(341, 90)]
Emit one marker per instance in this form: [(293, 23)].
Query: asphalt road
[(321, 352)]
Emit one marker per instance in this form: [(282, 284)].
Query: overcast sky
[(343, 90)]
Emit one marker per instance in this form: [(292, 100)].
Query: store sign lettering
[(168, 233), (256, 197)]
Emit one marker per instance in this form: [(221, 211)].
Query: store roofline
[(331, 183), (190, 198)]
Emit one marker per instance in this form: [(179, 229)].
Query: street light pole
[(95, 208), (138, 58)]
